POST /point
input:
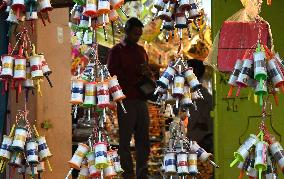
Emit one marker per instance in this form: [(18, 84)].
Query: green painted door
[(235, 119)]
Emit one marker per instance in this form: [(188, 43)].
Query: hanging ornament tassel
[(6, 85), (13, 172), (33, 172), (214, 164), (167, 36), (179, 46), (261, 100), (48, 18), (17, 96), (90, 21), (188, 32), (13, 85), (196, 24), (38, 88), (177, 103), (19, 87), (162, 26), (49, 166), (276, 99), (12, 131), (180, 34), (124, 12), (27, 95), (75, 111), (104, 27), (1, 164), (255, 99), (48, 80), (42, 19), (69, 173), (155, 15), (123, 107), (238, 91), (3, 167), (89, 114), (200, 94), (102, 174), (230, 91)]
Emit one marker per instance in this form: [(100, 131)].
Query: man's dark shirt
[(125, 60)]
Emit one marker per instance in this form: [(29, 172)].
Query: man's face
[(134, 34)]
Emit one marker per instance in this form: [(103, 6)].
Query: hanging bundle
[(94, 93), (93, 14), (259, 153), (178, 83), (257, 73), (181, 155), (24, 147), (27, 10), (257, 157), (176, 15), (95, 159), (22, 69)]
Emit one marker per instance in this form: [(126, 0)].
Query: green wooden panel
[(231, 127)]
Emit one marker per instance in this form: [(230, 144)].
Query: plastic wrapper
[(248, 14)]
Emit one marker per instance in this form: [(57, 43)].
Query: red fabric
[(124, 61), (236, 38)]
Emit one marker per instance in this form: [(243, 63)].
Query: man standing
[(126, 60)]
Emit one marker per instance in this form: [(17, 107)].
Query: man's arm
[(113, 62)]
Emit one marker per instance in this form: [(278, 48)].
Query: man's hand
[(146, 70)]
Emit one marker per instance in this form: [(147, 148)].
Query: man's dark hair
[(131, 23), (198, 67)]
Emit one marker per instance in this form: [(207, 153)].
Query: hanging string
[(24, 37)]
